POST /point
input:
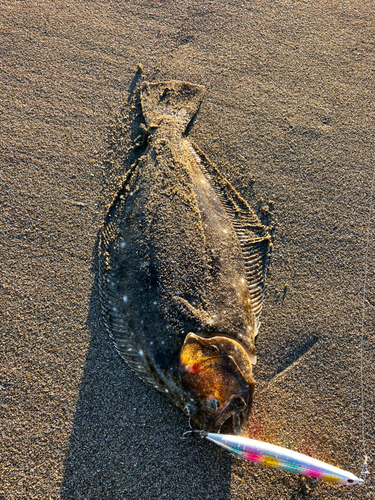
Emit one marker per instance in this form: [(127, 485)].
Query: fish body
[(283, 459), (182, 261)]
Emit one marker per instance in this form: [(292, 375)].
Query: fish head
[(216, 377)]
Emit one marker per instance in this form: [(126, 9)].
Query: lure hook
[(193, 431)]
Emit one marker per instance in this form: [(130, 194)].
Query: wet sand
[(288, 119)]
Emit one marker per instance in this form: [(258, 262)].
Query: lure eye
[(350, 481), (213, 405)]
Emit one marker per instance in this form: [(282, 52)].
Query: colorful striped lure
[(281, 458)]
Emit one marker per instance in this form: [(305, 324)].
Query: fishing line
[(364, 469)]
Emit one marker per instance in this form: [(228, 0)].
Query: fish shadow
[(126, 437), (293, 355)]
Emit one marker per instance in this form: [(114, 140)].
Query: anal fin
[(253, 236)]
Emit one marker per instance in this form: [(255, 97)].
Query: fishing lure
[(280, 458)]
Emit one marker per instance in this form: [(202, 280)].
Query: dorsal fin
[(254, 238)]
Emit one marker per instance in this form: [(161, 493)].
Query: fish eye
[(213, 404), (350, 481)]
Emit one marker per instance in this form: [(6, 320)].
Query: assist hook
[(202, 434)]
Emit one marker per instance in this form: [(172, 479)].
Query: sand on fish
[(288, 119)]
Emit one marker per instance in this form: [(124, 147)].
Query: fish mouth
[(234, 408)]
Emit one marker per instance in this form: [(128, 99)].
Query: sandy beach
[(288, 118)]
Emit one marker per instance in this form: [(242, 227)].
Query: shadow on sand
[(126, 437)]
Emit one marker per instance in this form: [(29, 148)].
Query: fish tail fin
[(175, 100)]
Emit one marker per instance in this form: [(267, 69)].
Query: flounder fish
[(182, 261)]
